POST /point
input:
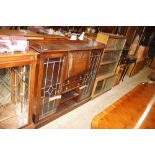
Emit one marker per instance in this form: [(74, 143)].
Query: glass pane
[(115, 43), (111, 56), (107, 69), (99, 86), (109, 83), (94, 62), (50, 85), (14, 92)]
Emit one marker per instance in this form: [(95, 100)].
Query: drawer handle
[(55, 97)]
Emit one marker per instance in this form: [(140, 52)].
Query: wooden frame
[(15, 60), (112, 41)]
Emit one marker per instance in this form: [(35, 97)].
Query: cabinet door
[(14, 96), (95, 58), (49, 85)]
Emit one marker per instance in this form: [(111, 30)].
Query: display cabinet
[(66, 73), (17, 77), (106, 74)]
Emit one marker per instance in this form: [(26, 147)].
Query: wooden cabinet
[(106, 74), (17, 77), (66, 73)]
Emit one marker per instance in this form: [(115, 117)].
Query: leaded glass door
[(14, 96)]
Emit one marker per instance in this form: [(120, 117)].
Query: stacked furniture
[(17, 78), (106, 74), (141, 55), (66, 72)]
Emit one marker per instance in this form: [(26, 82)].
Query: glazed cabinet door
[(94, 62), (16, 95), (49, 85)]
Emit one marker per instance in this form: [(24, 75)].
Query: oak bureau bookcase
[(66, 72)]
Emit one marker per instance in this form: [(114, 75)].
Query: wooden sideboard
[(66, 72), (17, 78)]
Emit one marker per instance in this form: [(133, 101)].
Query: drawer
[(75, 79), (70, 86)]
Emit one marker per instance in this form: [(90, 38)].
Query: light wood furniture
[(17, 78), (66, 72), (134, 110), (140, 55), (106, 74)]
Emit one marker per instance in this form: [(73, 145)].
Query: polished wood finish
[(28, 34), (65, 45), (129, 111), (79, 64), (12, 60), (31, 35)]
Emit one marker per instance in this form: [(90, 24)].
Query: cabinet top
[(65, 45), (111, 35), (30, 35), (18, 54)]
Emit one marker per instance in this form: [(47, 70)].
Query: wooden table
[(134, 110), (30, 35)]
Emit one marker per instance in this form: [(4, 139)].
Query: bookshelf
[(106, 73)]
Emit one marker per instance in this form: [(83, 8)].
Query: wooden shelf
[(112, 49), (101, 77), (105, 78), (66, 105), (108, 62), (68, 96)]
